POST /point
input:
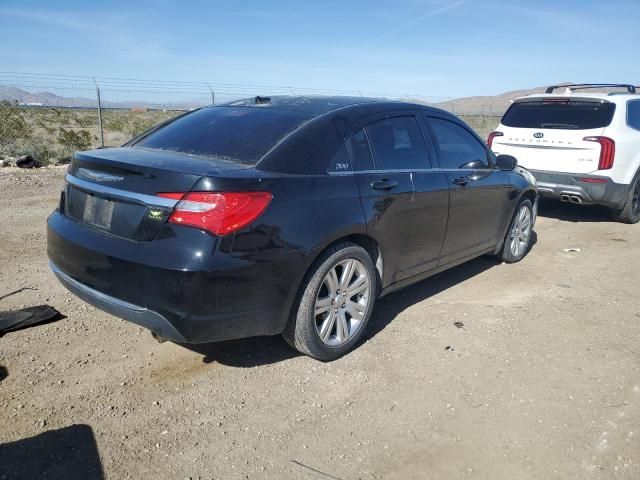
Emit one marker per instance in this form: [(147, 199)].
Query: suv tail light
[(220, 213), (607, 151), (493, 135)]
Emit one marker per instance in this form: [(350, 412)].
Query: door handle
[(384, 185), (461, 181)]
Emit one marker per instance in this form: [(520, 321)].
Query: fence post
[(213, 95), (99, 113)]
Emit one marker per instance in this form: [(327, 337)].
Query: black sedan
[(283, 215)]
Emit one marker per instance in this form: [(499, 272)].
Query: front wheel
[(518, 240), (335, 304), (630, 213)]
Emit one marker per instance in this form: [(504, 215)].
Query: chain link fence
[(51, 116)]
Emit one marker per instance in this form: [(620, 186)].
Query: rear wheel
[(518, 240), (335, 304), (630, 213)]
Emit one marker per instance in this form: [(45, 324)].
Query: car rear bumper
[(581, 188), (183, 287), (119, 308)]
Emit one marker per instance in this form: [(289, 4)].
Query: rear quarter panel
[(306, 214)]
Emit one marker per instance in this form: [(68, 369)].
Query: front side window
[(633, 114), (457, 148), (398, 144)]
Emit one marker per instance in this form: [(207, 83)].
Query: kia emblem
[(538, 135)]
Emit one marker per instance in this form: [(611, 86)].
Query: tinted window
[(562, 114), (398, 143), (360, 151), (633, 114), (457, 148), (239, 134), (340, 161)]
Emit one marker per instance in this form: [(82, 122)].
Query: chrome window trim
[(422, 170), (118, 193)]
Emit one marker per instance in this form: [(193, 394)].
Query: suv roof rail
[(585, 86)]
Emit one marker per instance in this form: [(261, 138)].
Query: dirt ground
[(543, 381)]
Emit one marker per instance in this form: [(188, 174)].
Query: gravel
[(543, 381)]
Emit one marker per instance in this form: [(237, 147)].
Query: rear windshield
[(239, 134), (562, 114)]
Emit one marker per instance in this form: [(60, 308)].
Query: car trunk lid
[(550, 149), (116, 190)]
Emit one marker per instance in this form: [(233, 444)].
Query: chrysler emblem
[(538, 135), (97, 176)]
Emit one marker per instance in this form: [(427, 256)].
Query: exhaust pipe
[(576, 199), (565, 198)]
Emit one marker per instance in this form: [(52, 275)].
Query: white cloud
[(422, 18)]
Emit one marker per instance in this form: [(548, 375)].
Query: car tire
[(329, 318), (517, 242), (630, 213)]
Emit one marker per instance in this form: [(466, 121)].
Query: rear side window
[(561, 114), (360, 151), (633, 114), (398, 143), (239, 134), (457, 148), (340, 161)]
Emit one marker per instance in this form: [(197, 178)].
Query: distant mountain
[(14, 94), (486, 105), (479, 105)]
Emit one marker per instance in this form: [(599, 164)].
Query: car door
[(409, 224), (479, 193)]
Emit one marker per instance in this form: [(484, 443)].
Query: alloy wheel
[(342, 302), (520, 231)]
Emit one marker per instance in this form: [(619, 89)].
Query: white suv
[(581, 147)]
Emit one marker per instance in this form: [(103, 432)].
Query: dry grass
[(53, 134)]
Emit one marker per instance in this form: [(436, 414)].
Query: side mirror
[(506, 162)]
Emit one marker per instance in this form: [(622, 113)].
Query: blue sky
[(425, 47)]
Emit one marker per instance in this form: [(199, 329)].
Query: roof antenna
[(262, 100)]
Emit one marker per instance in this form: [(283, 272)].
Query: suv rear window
[(239, 134), (561, 114)]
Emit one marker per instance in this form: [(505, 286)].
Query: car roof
[(314, 105)]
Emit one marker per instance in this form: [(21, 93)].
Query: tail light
[(607, 151), (220, 213), (493, 135)]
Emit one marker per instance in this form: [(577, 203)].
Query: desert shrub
[(71, 140), (35, 147), (482, 124), (85, 119), (13, 126), (114, 122)]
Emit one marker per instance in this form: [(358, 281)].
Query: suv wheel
[(630, 213), (518, 240), (335, 304)]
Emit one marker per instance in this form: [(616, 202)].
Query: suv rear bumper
[(573, 188)]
